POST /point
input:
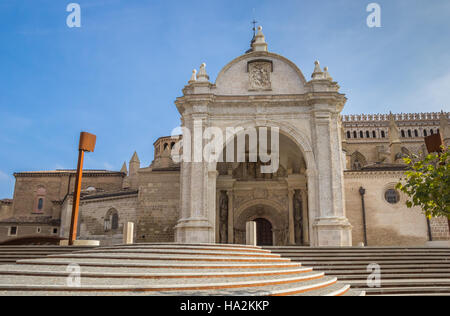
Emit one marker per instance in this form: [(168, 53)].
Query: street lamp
[(362, 192), (87, 143)]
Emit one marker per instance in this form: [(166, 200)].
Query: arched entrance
[(264, 233), (244, 193)]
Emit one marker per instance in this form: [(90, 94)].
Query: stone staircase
[(168, 269), (10, 254), (404, 271)]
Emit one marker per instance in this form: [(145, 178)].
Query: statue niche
[(298, 218), (223, 215)]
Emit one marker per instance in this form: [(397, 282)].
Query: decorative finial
[(202, 75), (326, 74), (317, 74), (194, 76), (259, 44)]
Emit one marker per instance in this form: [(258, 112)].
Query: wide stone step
[(356, 249), (403, 283), (162, 257), (364, 255), (174, 269), (408, 291), (186, 247), (145, 270), (396, 271), (267, 290), (349, 264), (154, 264), (193, 245), (147, 274), (191, 252), (161, 284), (372, 258), (398, 267), (392, 276)]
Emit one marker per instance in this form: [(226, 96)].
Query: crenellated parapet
[(376, 126), (400, 117)]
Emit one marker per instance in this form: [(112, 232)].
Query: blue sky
[(118, 75)]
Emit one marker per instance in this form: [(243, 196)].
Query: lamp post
[(434, 144), (362, 192), (87, 143)]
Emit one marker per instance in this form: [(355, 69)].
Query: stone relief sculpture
[(223, 215), (259, 75), (298, 218)]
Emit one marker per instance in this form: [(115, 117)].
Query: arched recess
[(264, 209), (358, 161), (299, 138), (303, 142), (111, 222)]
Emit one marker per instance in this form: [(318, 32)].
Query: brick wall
[(440, 228), (93, 213), (159, 204)]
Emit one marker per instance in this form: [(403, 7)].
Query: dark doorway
[(264, 232)]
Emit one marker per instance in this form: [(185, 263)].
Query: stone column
[(218, 216), (198, 193), (291, 217), (306, 239), (331, 227), (230, 217)]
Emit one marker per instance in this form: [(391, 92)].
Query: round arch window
[(392, 196)]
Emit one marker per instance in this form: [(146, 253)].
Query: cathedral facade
[(334, 185)]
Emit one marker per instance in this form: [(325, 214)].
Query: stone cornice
[(371, 174), (108, 197), (68, 173)]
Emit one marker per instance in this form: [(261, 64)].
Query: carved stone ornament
[(259, 75)]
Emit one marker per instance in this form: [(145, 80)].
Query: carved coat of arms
[(259, 74)]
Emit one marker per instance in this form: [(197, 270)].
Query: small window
[(374, 134), (55, 231), (392, 196), (111, 222), (349, 135), (40, 204), (409, 134), (38, 230), (403, 134), (115, 221), (383, 134), (425, 133), (13, 231), (368, 134), (355, 135), (431, 132), (416, 133), (361, 134)]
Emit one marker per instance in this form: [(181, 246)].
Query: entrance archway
[(264, 232)]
